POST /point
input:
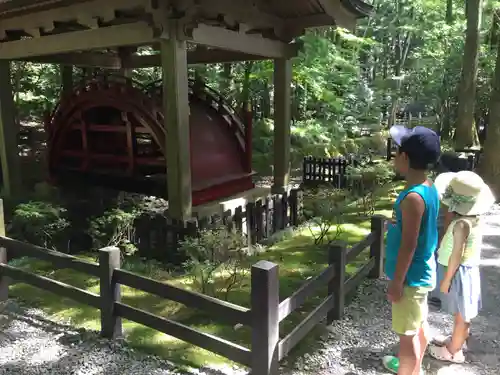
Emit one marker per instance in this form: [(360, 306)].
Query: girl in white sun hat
[(468, 197)]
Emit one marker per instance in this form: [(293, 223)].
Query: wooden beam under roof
[(195, 57), (218, 37), (83, 59), (113, 61), (138, 33)]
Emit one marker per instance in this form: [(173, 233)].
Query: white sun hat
[(464, 192)]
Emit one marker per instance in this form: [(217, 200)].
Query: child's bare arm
[(460, 234), (448, 217), (412, 210)]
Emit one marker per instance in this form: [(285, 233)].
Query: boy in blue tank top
[(412, 240)]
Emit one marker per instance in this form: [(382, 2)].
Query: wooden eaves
[(58, 31)]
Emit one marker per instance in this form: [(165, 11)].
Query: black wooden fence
[(157, 236), (331, 171), (266, 348)]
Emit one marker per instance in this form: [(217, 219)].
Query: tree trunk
[(445, 93), (466, 134), (490, 161), (266, 100), (225, 82), (449, 12), (245, 91)]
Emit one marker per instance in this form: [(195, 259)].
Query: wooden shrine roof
[(285, 9), (33, 28)]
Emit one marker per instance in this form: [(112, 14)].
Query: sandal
[(442, 340), (391, 363), (441, 353)]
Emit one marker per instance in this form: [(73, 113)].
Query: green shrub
[(325, 209), (366, 180), (115, 228), (217, 261), (40, 223)]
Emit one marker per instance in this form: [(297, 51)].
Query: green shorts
[(410, 313)]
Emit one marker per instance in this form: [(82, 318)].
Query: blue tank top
[(422, 271)]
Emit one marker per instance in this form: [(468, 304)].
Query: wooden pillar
[(282, 120), (109, 262), (176, 112), (265, 318), (9, 154), (66, 78), (125, 54)]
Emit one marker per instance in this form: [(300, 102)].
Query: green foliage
[(217, 261), (39, 223), (115, 228), (366, 181), (326, 208)]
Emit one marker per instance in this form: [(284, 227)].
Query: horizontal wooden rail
[(304, 327), (218, 308), (60, 260), (355, 250), (296, 300), (140, 160), (206, 341), (354, 281), (50, 285)]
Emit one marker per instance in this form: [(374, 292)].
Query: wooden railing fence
[(266, 349), (339, 286)]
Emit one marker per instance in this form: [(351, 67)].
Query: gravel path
[(30, 344), (355, 345)]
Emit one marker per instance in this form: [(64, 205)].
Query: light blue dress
[(464, 296)]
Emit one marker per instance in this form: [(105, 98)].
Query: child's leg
[(460, 334), (423, 338), (409, 353), (408, 317)]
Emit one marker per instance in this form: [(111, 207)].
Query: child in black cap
[(411, 244)]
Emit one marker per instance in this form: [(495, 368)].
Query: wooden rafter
[(87, 14), (339, 13), (248, 13)]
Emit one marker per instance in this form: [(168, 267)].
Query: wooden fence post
[(337, 256), (277, 217), (4, 280), (389, 149), (293, 207), (109, 260), (251, 226), (377, 246), (471, 162), (265, 323)]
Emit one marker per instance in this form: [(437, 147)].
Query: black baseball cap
[(420, 141)]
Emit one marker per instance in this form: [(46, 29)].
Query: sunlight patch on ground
[(455, 370)]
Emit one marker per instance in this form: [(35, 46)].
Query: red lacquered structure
[(109, 131)]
